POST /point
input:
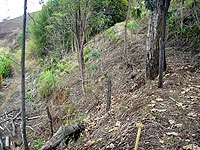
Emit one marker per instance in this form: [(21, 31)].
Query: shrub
[(46, 84), (109, 31), (5, 65)]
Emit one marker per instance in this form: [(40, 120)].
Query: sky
[(15, 8)]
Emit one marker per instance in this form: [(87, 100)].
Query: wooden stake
[(109, 95), (139, 125), (161, 63)]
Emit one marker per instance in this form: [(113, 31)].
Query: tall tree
[(156, 29), (23, 127)]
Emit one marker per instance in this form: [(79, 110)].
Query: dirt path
[(10, 91)]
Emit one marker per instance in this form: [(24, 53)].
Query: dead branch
[(64, 132), (14, 128), (35, 117), (7, 142), (17, 115)]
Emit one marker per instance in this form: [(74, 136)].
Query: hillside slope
[(170, 116)]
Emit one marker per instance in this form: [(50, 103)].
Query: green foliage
[(150, 5), (86, 54), (105, 74), (38, 32), (87, 51), (51, 28), (136, 12), (94, 54), (19, 37), (46, 84), (190, 31), (5, 65), (54, 65), (93, 67), (38, 143), (133, 25), (109, 31), (51, 73)]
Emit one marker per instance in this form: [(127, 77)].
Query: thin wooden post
[(1, 142), (23, 127), (109, 95), (50, 120), (161, 63)]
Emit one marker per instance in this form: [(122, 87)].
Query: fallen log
[(63, 133)]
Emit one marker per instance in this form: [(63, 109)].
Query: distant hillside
[(10, 29)]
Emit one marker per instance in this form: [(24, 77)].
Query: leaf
[(113, 129), (191, 147), (158, 110), (172, 133), (159, 99), (171, 121), (161, 141), (118, 123), (179, 125), (112, 146), (90, 143), (192, 114)]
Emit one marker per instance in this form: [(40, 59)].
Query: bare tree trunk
[(195, 10), (23, 129), (125, 33), (156, 29), (182, 2), (80, 20)]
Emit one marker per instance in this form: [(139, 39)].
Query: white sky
[(15, 8)]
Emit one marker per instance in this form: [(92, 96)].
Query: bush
[(46, 84), (5, 65)]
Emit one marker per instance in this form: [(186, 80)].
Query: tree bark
[(23, 129), (125, 33), (156, 29)]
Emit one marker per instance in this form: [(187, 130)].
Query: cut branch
[(64, 132)]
